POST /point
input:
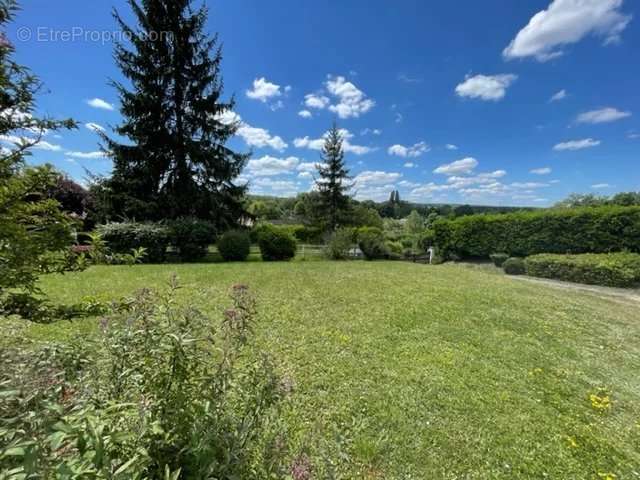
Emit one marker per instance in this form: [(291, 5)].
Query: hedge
[(609, 269), (123, 237), (302, 233), (576, 230), (276, 245), (234, 246)]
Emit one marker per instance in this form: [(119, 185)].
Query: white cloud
[(541, 171), (372, 131), (409, 165), (602, 115), (352, 102), (40, 145), (485, 87), (399, 117), (305, 175), (305, 114), (565, 22), (412, 152), (260, 137), (378, 177), (347, 146), (268, 166), (286, 188), (451, 146), (86, 155), (556, 97), (313, 100), (600, 186), (463, 166), (263, 90), (94, 127), (252, 136), (308, 167), (577, 144), (101, 104), (633, 135)]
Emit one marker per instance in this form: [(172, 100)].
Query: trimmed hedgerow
[(514, 266), (191, 237), (612, 269), (577, 230), (276, 245), (498, 258), (122, 238), (234, 246)]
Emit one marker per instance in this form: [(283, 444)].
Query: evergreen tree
[(175, 162), (34, 233), (333, 179)]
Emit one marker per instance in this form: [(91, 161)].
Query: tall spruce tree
[(333, 182), (175, 162)]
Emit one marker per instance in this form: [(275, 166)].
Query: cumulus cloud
[(283, 188), (372, 131), (377, 177), (305, 114), (20, 141), (602, 115), (347, 146), (352, 102), (100, 103), (252, 136), (556, 97), (412, 152), (459, 167), (94, 127), (86, 155), (565, 22), (268, 166), (409, 165), (451, 146), (541, 171), (263, 90), (577, 144), (486, 87), (319, 101)]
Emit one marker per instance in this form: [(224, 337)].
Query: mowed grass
[(417, 372)]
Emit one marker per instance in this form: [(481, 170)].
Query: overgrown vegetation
[(163, 392)]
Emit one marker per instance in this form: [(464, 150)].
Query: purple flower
[(301, 468)]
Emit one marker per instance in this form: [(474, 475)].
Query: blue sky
[(494, 102)]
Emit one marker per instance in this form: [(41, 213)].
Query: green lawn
[(407, 371)]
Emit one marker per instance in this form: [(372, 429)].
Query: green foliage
[(498, 258), (162, 394), (302, 233), (514, 266), (191, 237), (339, 244), (333, 177), (276, 245), (579, 230), (123, 238), (363, 216), (174, 162), (609, 269), (35, 235), (371, 242), (234, 246), (576, 200)]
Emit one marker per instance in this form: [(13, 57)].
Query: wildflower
[(301, 468), (600, 401)]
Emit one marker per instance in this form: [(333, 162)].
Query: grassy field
[(407, 371)]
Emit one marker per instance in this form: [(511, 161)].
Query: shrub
[(499, 258), (395, 247), (123, 238), (161, 394), (339, 244), (276, 245), (234, 246), (578, 230), (371, 242), (613, 269), (191, 238), (514, 266)]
